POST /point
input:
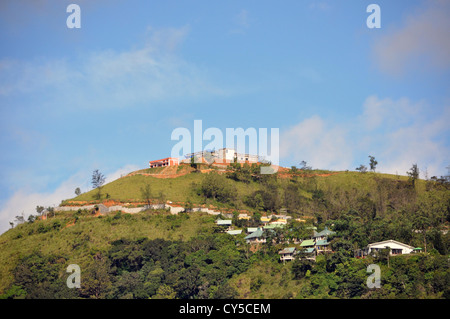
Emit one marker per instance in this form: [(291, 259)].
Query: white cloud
[(397, 132), (111, 79), (317, 142), (388, 113), (24, 201), (421, 42)]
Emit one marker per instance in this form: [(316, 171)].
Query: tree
[(40, 209), (50, 211), (194, 163), (96, 281), (304, 167), (217, 187), (300, 267), (413, 174), (146, 193), (362, 168), (373, 163), (20, 219), (98, 179), (77, 191), (162, 197)]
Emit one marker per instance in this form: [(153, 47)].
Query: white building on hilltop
[(223, 155)]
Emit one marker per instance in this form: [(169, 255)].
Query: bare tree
[(146, 193)]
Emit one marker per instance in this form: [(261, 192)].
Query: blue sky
[(107, 96)]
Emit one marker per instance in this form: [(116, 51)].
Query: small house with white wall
[(323, 234), (287, 254), (256, 237), (396, 247)]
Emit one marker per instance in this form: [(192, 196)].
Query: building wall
[(169, 161)]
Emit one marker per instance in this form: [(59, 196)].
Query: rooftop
[(256, 234), (322, 242), (308, 242), (325, 232), (223, 222), (287, 250)]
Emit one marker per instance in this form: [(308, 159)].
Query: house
[(223, 155), (223, 222), (323, 234), (229, 155), (234, 232), (308, 253), (322, 246), (395, 247), (273, 226), (280, 221), (256, 237), (251, 229), (308, 249), (287, 254), (308, 243), (243, 216), (265, 219), (169, 161)]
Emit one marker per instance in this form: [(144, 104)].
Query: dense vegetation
[(212, 264), (157, 255)]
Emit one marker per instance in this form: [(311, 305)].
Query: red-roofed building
[(169, 161)]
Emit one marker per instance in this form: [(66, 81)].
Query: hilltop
[(157, 254), (182, 184)]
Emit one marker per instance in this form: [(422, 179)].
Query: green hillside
[(154, 254)]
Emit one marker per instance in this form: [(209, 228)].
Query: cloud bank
[(111, 79), (397, 132), (421, 42), (24, 201)]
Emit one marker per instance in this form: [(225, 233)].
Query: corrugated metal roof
[(308, 242), (287, 250), (323, 242), (324, 232), (234, 232), (256, 234), (223, 222)]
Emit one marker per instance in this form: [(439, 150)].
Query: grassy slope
[(178, 189), (266, 280), (89, 235)]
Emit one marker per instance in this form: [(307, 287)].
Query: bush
[(218, 188)]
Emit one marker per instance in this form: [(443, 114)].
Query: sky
[(108, 95)]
